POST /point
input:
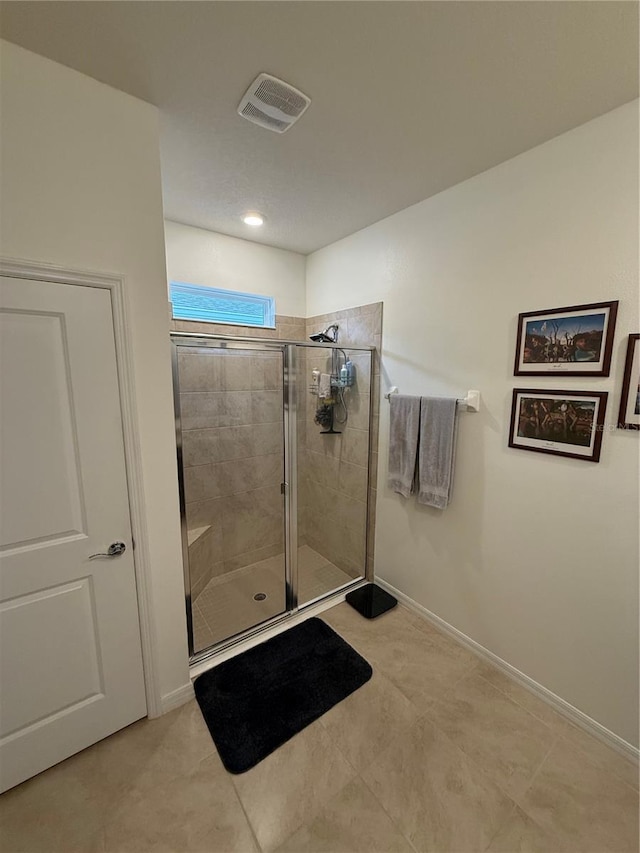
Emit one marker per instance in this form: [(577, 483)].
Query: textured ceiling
[(408, 98)]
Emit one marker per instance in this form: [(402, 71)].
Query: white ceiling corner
[(408, 98)]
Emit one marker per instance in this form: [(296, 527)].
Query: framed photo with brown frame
[(575, 341), (565, 423), (629, 414)]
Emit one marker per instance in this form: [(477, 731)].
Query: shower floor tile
[(227, 605)]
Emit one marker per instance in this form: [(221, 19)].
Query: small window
[(212, 305)]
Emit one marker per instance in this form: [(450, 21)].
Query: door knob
[(114, 550)]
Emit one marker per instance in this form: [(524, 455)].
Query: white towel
[(403, 443), (324, 386), (436, 455)]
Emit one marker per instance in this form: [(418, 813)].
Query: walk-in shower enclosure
[(274, 478)]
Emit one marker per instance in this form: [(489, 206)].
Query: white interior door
[(70, 655)]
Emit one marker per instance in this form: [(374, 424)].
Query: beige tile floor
[(226, 606), (438, 753)]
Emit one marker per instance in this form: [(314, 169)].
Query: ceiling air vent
[(272, 103)]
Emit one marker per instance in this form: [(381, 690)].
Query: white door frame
[(115, 284)]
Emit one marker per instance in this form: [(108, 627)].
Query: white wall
[(196, 256), (81, 189), (537, 557)]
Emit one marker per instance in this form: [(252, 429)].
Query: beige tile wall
[(287, 328), (232, 449), (333, 469), (204, 558), (232, 438)]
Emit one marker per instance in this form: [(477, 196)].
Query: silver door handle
[(114, 550)]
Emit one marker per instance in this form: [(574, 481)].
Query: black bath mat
[(256, 701), (371, 600)]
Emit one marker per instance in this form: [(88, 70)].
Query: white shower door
[(70, 655)]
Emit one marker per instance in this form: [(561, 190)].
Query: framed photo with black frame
[(574, 341), (629, 414), (564, 423)]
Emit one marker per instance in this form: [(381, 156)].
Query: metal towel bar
[(471, 402)]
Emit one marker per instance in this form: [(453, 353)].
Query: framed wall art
[(574, 341), (565, 423), (629, 414)]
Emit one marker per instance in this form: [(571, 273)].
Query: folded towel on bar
[(324, 386), (436, 454), (403, 443)]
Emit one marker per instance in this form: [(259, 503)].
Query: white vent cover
[(272, 103)]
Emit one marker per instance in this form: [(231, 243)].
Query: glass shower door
[(229, 405)]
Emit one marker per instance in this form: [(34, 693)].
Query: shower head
[(329, 336)]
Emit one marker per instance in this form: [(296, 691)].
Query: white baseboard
[(176, 698), (557, 703)]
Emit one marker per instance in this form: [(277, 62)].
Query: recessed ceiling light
[(253, 219)]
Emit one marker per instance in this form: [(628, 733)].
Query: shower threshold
[(241, 600), (211, 657)]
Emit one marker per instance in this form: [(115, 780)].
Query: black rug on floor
[(371, 600), (256, 701)]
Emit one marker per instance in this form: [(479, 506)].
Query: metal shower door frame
[(291, 381)]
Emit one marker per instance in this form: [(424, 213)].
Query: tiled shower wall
[(333, 468), (232, 445), (234, 507), (287, 328)]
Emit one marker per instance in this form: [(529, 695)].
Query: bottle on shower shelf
[(347, 374)]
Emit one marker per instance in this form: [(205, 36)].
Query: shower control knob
[(114, 550)]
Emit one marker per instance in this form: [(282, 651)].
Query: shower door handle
[(114, 550)]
